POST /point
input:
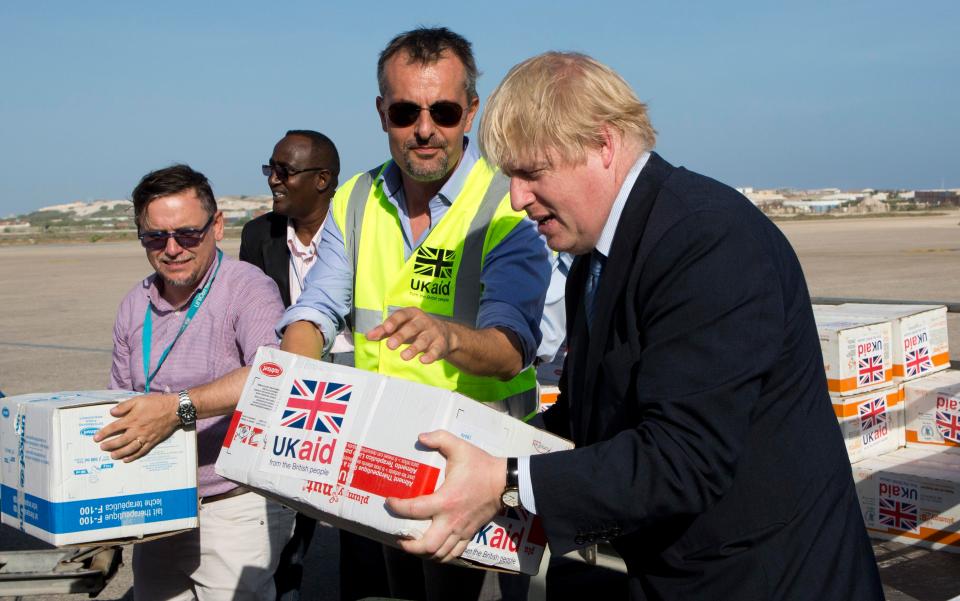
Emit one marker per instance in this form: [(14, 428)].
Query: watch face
[(510, 498), (187, 413)]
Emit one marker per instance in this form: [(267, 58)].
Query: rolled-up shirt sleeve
[(515, 276), (328, 289)]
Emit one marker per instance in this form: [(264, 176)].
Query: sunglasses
[(187, 237), (284, 173), (443, 113)]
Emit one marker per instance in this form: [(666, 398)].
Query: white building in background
[(813, 206), (14, 226)]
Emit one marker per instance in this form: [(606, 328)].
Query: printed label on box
[(916, 352), (898, 506), (873, 419), (870, 369)]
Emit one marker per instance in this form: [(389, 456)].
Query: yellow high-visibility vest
[(441, 276)]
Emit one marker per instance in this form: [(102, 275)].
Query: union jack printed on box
[(933, 410), (920, 344), (912, 496), (334, 442), (871, 422), (857, 351)]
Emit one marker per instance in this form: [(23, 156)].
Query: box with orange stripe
[(912, 496), (920, 344), (857, 352), (933, 410), (872, 422)]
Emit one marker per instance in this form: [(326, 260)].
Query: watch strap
[(513, 472)]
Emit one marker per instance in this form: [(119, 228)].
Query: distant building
[(14, 226), (812, 206), (937, 198), (873, 204), (764, 198)]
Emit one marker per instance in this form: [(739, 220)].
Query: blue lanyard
[(148, 326)]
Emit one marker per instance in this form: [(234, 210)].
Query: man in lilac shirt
[(199, 318)]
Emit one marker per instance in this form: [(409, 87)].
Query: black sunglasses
[(283, 172), (187, 237), (443, 113)]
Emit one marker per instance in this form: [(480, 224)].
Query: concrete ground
[(57, 305)]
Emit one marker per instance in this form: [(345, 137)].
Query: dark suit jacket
[(709, 454), (263, 242)]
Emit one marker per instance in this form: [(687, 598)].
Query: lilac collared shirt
[(236, 318)]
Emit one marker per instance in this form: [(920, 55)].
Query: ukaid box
[(61, 488), (334, 442), (548, 397), (920, 343), (912, 496), (932, 406), (857, 355), (872, 422)]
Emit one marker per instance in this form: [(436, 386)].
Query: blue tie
[(597, 261)]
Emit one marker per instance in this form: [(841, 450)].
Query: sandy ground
[(57, 305)]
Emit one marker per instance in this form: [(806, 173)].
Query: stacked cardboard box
[(334, 442), (907, 494), (872, 423), (912, 496), (933, 410), (61, 488), (857, 354), (858, 360), (920, 344)]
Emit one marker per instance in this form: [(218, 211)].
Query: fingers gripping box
[(933, 410), (61, 488), (920, 343), (334, 442), (857, 355)]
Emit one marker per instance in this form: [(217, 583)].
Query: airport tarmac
[(57, 305)]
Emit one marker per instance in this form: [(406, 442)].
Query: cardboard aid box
[(857, 355), (920, 343), (912, 496), (61, 488), (933, 410), (872, 422), (334, 442), (548, 397)]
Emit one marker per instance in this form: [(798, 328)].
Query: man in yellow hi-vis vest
[(440, 279)]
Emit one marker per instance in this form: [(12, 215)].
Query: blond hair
[(554, 106)]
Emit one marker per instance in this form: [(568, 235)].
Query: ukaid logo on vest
[(898, 505), (304, 440), (433, 272), (873, 419), (870, 368)]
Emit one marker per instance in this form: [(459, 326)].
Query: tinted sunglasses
[(283, 172), (187, 237), (443, 113)]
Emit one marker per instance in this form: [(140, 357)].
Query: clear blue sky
[(817, 94)]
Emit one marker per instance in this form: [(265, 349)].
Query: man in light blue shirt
[(427, 103)]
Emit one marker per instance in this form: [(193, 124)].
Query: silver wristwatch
[(185, 410)]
